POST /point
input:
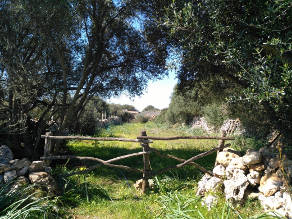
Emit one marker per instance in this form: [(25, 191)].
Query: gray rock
[(37, 166), (9, 175), (4, 167), (252, 157), (219, 170), (5, 154), (22, 171), (236, 186), (20, 164)]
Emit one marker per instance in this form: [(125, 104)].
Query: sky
[(157, 94)]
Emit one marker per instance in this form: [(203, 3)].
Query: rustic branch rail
[(144, 141), (184, 137), (89, 138)]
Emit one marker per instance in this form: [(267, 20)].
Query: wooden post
[(220, 144), (146, 160), (47, 147)]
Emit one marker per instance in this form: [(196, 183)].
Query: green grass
[(109, 193)]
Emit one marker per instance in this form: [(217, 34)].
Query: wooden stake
[(146, 160), (47, 147)]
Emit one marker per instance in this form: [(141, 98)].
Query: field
[(109, 193)]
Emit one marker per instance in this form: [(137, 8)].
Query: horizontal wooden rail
[(104, 162), (89, 138), (184, 137)]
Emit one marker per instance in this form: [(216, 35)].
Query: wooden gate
[(145, 142)]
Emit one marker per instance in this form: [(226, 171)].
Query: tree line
[(57, 55)]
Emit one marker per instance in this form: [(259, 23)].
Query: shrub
[(142, 119), (215, 115)]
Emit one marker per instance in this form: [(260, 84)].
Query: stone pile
[(257, 175), (23, 172)]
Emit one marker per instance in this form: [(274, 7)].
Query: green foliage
[(56, 55), (149, 108), (183, 107), (182, 205), (239, 50), (214, 114), (22, 203), (141, 118), (88, 122)]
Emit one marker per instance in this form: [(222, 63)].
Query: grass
[(109, 193), (24, 203)]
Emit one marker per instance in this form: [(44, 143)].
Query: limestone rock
[(254, 178), (230, 171), (22, 171), (4, 167), (253, 195), (237, 163), (271, 202), (219, 170), (288, 204), (139, 183), (224, 157), (269, 185), (208, 183), (9, 175), (39, 177), (44, 180), (280, 203), (209, 201), (37, 166), (20, 182), (252, 157), (5, 154), (236, 186), (257, 167), (19, 164)]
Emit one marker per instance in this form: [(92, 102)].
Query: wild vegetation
[(59, 60), (109, 193)]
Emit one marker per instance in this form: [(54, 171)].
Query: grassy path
[(109, 193)]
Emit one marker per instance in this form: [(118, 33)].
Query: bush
[(142, 119), (215, 115)]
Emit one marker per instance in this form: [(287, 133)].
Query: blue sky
[(157, 94)]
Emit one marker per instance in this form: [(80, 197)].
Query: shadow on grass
[(103, 180), (157, 162)]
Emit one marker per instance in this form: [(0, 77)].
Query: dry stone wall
[(22, 171), (256, 175)]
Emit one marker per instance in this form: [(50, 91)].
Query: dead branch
[(189, 160)]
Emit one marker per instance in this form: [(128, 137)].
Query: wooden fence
[(144, 141)]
